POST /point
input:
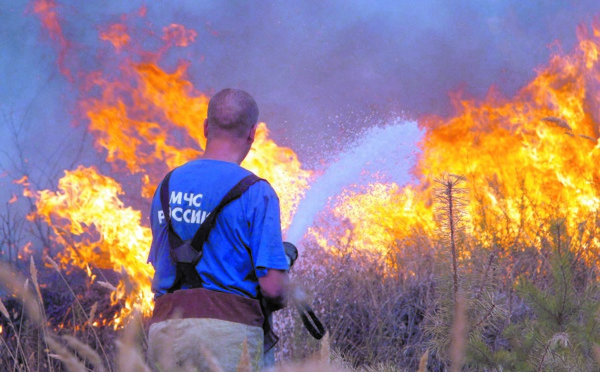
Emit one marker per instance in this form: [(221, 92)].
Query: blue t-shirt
[(245, 241)]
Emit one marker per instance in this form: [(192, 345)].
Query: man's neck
[(224, 151)]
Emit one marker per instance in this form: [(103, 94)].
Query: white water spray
[(388, 152)]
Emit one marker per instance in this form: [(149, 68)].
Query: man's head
[(232, 113)]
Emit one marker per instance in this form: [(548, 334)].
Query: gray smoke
[(321, 71)]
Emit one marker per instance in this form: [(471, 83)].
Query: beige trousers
[(204, 345)]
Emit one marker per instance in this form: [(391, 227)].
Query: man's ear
[(206, 128), (252, 133)]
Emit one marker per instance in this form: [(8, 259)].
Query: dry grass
[(379, 317), (374, 318)]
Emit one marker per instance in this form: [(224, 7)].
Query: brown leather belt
[(205, 303)]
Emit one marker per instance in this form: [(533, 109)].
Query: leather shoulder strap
[(174, 239), (202, 233)]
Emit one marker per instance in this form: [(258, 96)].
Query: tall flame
[(102, 233), (162, 128), (46, 9), (526, 159), (147, 121), (537, 152)]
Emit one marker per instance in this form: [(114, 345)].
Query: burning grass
[(521, 304), (505, 279)]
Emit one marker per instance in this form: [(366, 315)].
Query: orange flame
[(380, 229), (526, 159), (24, 181), (147, 121), (281, 167), (162, 125), (542, 144), (13, 199), (178, 35), (46, 9), (95, 227), (117, 35)]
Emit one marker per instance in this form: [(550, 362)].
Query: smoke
[(316, 68)]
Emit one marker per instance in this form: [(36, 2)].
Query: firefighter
[(208, 298)]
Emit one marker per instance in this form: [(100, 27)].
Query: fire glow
[(522, 157), (526, 159), (160, 127)]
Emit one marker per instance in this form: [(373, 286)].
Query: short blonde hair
[(232, 112)]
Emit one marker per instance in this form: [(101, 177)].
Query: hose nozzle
[(291, 253)]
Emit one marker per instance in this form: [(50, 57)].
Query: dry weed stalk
[(34, 306), (34, 278), (88, 321), (85, 352), (130, 358), (92, 314), (245, 364), (14, 283), (69, 360), (19, 286), (33, 272), (73, 359), (107, 285), (423, 362), (211, 360), (325, 350), (4, 312)]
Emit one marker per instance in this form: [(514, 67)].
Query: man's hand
[(274, 286)]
